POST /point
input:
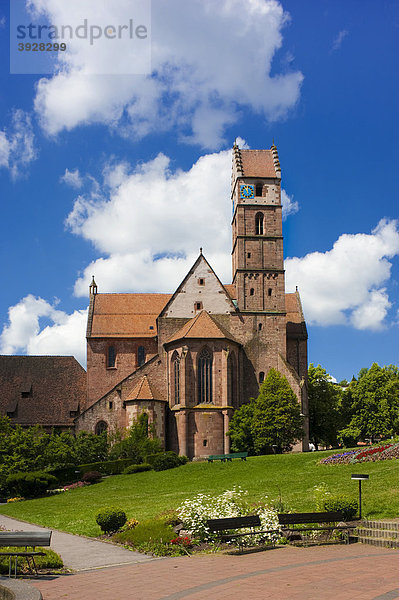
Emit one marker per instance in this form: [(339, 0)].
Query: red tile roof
[(257, 163), (143, 391), (127, 315), (201, 326), (42, 390)]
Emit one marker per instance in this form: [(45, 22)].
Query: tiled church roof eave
[(202, 326)]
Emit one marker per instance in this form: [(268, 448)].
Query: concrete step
[(392, 525), (377, 533), (385, 543)]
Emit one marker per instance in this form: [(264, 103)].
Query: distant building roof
[(42, 390)]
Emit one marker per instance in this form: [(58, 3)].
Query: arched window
[(176, 378), (232, 380), (140, 355), (261, 377), (259, 224), (251, 291), (258, 189), (101, 427), (111, 357), (205, 377)]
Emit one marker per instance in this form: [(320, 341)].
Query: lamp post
[(360, 478)]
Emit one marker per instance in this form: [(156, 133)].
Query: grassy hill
[(143, 495)]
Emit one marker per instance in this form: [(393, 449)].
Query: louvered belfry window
[(205, 377)]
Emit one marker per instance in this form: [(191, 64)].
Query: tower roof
[(258, 163)]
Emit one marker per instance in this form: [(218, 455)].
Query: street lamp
[(360, 478)]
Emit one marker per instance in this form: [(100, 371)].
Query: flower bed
[(384, 452)]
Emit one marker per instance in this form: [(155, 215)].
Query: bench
[(29, 539), (315, 521), (228, 457)]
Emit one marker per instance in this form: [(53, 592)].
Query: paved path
[(80, 553), (339, 572), (355, 572)]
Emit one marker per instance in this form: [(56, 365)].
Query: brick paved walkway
[(355, 572)]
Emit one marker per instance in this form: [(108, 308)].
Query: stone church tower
[(190, 358)]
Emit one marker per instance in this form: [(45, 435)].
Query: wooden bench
[(314, 521), (228, 457), (27, 539), (318, 521)]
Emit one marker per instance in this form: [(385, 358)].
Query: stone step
[(376, 533), (379, 542), (392, 525)]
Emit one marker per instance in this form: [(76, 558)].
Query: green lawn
[(144, 495)]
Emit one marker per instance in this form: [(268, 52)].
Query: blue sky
[(126, 176)]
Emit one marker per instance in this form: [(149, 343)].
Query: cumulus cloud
[(72, 178), (25, 333), (147, 225), (17, 148), (290, 206), (209, 60), (345, 285)]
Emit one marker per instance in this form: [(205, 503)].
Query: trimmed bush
[(111, 519), (164, 460), (66, 474), (137, 468), (92, 477), (345, 504), (30, 485)]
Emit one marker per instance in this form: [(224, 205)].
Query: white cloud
[(149, 223), (72, 178), (25, 333), (209, 60), (345, 284), (339, 39), (2, 22), (290, 206), (17, 147)]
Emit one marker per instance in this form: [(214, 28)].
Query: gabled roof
[(203, 326), (42, 390), (295, 319), (143, 391), (126, 315), (223, 306)]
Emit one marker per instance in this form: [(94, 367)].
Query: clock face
[(247, 191)]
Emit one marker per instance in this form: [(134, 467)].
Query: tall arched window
[(176, 378), (259, 224), (111, 357), (205, 377), (261, 377), (140, 355), (232, 380)]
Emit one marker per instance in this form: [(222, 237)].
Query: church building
[(190, 358)]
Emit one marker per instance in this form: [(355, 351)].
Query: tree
[(277, 420), (375, 404), (324, 398), (240, 431)]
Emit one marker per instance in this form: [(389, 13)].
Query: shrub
[(111, 519), (340, 502), (107, 467), (164, 460), (32, 484), (153, 537), (91, 477), (137, 468)]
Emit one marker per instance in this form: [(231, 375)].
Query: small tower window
[(198, 306), (269, 291), (260, 326), (201, 281), (258, 189), (140, 355), (259, 224), (261, 377), (111, 357), (249, 255), (251, 292)]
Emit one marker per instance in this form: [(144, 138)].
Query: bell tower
[(258, 265)]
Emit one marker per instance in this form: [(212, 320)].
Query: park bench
[(314, 521), (318, 521), (27, 539), (228, 457)]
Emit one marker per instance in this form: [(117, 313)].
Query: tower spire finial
[(93, 287)]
